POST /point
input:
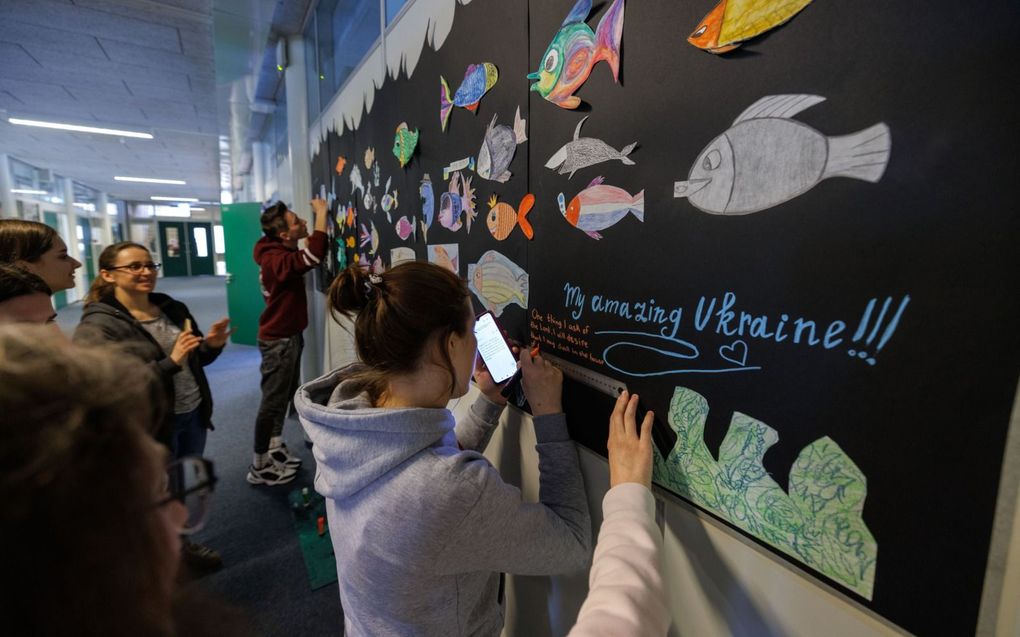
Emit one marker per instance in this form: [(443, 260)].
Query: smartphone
[(493, 348)]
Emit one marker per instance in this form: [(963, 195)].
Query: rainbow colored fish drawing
[(575, 49), (733, 21), (598, 207), (497, 282), (478, 79)]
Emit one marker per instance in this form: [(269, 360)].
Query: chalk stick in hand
[(187, 325)]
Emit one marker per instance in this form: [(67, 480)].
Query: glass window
[(393, 7), (312, 69), (219, 245), (201, 241)]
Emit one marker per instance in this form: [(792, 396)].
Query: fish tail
[(520, 127), (862, 155), (522, 215), (424, 231), (608, 37), (637, 206), (624, 154), (445, 103)]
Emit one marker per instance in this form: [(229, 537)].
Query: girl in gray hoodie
[(421, 523)]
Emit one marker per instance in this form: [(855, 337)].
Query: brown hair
[(22, 240), (274, 220), (67, 508), (399, 314), (108, 259), (15, 282)]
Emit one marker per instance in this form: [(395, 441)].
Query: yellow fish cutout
[(732, 22)]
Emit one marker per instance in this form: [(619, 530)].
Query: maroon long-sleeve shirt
[(281, 272)]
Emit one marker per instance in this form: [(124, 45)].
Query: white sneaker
[(272, 473), (283, 456)]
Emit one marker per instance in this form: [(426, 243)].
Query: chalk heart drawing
[(818, 523), (735, 353)]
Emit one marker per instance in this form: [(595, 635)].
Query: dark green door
[(173, 245), (59, 298), (200, 249), (241, 229)]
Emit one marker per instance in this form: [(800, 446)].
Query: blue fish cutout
[(428, 205), (478, 79)]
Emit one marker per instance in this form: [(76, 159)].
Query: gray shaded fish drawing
[(356, 181), (586, 151), (498, 148), (766, 158), (497, 282)]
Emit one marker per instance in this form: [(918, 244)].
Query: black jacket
[(107, 320)]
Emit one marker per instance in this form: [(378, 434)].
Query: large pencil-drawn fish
[(498, 148), (575, 49), (478, 79), (733, 21), (598, 207), (497, 282), (766, 158), (582, 152)]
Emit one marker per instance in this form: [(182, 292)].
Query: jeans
[(281, 373), (189, 434)]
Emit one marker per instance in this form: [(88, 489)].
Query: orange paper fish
[(341, 161), (502, 217), (733, 21)]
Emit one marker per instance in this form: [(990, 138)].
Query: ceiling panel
[(100, 24)]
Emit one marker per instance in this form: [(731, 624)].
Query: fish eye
[(701, 31), (552, 60), (712, 160)]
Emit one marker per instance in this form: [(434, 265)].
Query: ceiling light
[(27, 191), (193, 209), (149, 180), (79, 129), (184, 199)]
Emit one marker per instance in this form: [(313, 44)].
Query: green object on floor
[(307, 507)]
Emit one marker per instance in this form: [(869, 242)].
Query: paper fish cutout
[(733, 21), (404, 143), (356, 182), (766, 158), (401, 255), (350, 242), (575, 49), (497, 282), (378, 267), (369, 237), (446, 255), (478, 79), (349, 222), (369, 201), (502, 217), (404, 227), (369, 157), (498, 148), (388, 201), (586, 151), (460, 199), (598, 207), (365, 236), (341, 161), (428, 206), (461, 164), (375, 175)]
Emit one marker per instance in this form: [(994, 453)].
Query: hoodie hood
[(355, 443), (267, 245)]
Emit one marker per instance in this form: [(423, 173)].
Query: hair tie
[(373, 280)]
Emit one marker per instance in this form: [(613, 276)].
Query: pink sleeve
[(626, 594)]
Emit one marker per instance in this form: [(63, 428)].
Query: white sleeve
[(626, 594)]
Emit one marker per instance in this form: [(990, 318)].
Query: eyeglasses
[(136, 268), (190, 481)]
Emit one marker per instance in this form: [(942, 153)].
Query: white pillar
[(260, 169), (8, 208), (72, 241), (101, 202), (301, 180)]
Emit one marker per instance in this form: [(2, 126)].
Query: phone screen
[(493, 349)]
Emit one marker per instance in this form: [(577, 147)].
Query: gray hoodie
[(420, 527)]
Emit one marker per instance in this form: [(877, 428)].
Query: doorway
[(186, 248)]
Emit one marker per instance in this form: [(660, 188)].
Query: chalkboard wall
[(863, 332)]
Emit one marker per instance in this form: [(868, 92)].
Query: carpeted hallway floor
[(251, 527)]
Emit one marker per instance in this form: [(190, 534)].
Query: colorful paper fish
[(428, 206), (503, 218), (732, 22), (350, 216), (575, 49), (369, 157), (369, 201), (478, 79), (458, 200), (498, 148), (356, 181), (404, 143), (369, 237), (446, 255), (401, 255), (388, 201), (405, 228), (788, 158), (582, 152), (497, 282), (366, 236), (351, 242), (598, 207), (341, 161)]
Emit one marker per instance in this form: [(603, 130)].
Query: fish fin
[(594, 235), (577, 131), (579, 13), (723, 49), (625, 154), (862, 155), (473, 108), (571, 173), (520, 127), (522, 215), (637, 206), (505, 177), (598, 181), (492, 124), (445, 103), (778, 106), (571, 102), (608, 36)]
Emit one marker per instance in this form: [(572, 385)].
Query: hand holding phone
[(494, 349)]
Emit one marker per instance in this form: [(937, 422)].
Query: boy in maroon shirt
[(282, 266)]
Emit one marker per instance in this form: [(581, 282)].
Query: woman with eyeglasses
[(123, 308), (92, 543)]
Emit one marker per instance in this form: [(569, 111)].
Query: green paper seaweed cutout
[(817, 523)]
